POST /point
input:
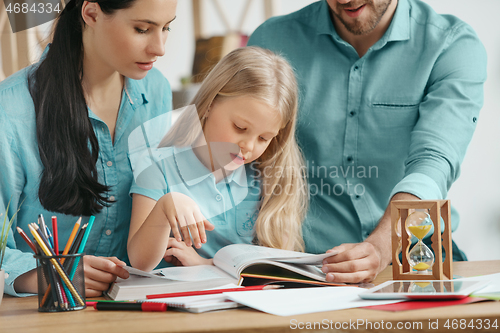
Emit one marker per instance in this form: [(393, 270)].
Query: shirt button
[(108, 232), (358, 196), (110, 164), (218, 197), (112, 198), (356, 67), (349, 159), (474, 119), (352, 113)]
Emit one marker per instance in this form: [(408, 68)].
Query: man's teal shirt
[(398, 119)]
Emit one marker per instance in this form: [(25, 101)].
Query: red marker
[(120, 306)]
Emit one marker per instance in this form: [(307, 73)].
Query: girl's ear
[(90, 12)]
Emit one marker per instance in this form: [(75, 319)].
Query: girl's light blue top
[(231, 204), (21, 168)]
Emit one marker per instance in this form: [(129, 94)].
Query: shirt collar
[(324, 21), (399, 29), (192, 171), (135, 92)]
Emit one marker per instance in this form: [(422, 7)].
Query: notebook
[(199, 304)]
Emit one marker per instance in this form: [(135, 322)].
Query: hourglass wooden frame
[(400, 209)]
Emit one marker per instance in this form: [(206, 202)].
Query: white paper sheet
[(290, 302)]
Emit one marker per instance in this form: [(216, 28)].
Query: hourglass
[(420, 257), (417, 217)]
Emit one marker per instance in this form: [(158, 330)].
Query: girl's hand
[(100, 272), (179, 254), (182, 211)]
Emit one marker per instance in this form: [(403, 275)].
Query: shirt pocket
[(245, 217), (394, 113)]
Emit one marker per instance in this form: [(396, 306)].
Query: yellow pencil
[(56, 264)]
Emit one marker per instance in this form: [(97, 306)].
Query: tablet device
[(424, 289)]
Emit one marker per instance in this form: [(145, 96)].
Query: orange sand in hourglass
[(420, 231)]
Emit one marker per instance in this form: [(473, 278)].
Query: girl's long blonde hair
[(261, 74)]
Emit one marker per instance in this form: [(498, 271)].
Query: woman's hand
[(100, 272), (183, 212), (179, 254)]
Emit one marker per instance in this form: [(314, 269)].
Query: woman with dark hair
[(64, 128)]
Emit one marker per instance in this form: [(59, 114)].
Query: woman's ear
[(90, 12)]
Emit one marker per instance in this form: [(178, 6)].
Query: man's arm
[(361, 262)]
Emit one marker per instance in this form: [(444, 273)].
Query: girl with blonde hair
[(245, 173)]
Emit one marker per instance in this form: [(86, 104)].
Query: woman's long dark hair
[(67, 143)]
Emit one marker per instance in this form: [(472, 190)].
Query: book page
[(233, 257), (183, 273), (192, 273)]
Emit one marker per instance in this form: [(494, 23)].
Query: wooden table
[(21, 315)]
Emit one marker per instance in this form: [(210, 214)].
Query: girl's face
[(130, 40), (239, 130)]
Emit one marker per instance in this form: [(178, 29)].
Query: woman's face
[(130, 40)]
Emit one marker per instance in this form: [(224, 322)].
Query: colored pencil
[(82, 246), (54, 235), (50, 273), (71, 238), (74, 248), (26, 239), (49, 237), (43, 226), (213, 291)]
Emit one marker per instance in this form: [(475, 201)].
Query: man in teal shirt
[(390, 98)]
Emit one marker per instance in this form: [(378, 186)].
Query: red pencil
[(26, 239), (54, 235), (213, 291)]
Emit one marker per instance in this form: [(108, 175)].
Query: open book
[(243, 264)]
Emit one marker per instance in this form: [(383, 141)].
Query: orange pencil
[(71, 238)]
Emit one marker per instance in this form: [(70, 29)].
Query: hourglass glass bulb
[(418, 223), (420, 256)]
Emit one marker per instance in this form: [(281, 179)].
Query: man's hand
[(358, 262), (100, 272)]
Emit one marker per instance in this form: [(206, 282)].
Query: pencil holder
[(61, 283)]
